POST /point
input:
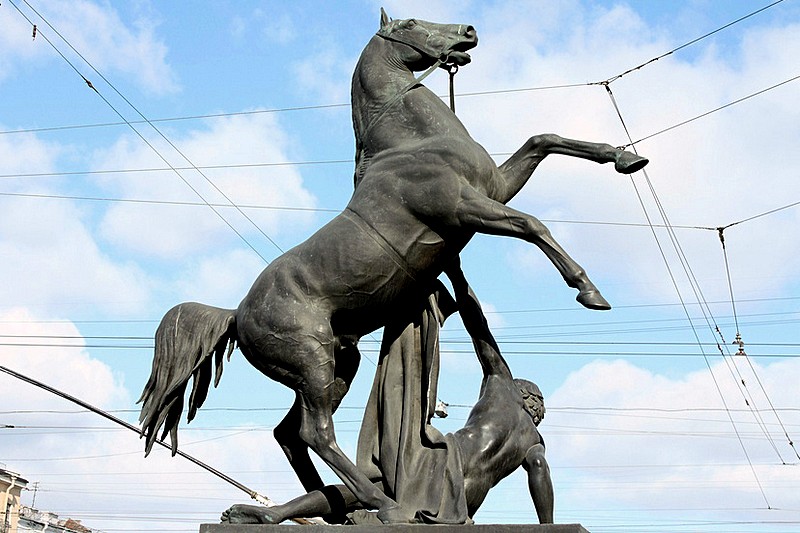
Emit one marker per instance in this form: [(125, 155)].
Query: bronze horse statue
[(424, 187)]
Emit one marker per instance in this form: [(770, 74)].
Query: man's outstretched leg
[(331, 502)]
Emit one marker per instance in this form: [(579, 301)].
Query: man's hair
[(532, 399)]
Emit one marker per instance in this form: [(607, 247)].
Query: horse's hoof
[(628, 162), (592, 299)]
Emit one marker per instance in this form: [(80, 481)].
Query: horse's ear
[(384, 19)]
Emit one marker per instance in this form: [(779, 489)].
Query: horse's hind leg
[(317, 431), (305, 351), (287, 432)]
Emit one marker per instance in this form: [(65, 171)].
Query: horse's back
[(341, 274)]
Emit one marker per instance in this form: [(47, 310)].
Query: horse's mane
[(359, 127)]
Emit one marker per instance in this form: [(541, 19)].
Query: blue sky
[(647, 427)]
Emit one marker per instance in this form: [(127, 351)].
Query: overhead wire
[(141, 136), (239, 208), (119, 421), (687, 45), (673, 238), (687, 269), (676, 245), (168, 202), (693, 41), (487, 312), (695, 288), (61, 394), (287, 208), (631, 142), (742, 352)]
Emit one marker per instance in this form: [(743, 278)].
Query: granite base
[(397, 528)]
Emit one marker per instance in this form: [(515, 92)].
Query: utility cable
[(693, 41), (742, 352), (763, 214), (165, 138), (61, 394), (695, 286), (168, 202), (260, 498), (681, 257), (173, 119), (720, 108), (289, 208), (475, 93), (733, 366), (141, 137)]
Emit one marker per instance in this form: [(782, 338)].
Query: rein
[(452, 69)]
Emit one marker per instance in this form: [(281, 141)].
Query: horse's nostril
[(469, 32)]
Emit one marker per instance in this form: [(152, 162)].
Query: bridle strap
[(392, 37)]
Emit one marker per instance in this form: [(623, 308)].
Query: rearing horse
[(424, 187)]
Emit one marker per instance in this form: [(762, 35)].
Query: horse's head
[(428, 42)]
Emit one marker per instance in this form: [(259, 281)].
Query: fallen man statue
[(441, 479)]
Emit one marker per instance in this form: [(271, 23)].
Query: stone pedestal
[(396, 528)]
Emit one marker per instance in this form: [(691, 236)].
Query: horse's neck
[(379, 79)]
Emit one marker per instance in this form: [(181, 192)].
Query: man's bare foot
[(395, 515), (250, 514)]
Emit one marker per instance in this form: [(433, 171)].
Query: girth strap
[(380, 240)]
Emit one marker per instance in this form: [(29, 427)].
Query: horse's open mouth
[(455, 57)]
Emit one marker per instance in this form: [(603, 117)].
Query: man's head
[(532, 399)]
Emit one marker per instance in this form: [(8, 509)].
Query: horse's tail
[(189, 334)]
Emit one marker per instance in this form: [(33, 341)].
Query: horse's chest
[(465, 157), (476, 165)]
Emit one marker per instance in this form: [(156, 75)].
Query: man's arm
[(475, 323), (539, 483)]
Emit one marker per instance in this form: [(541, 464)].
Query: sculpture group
[(423, 188)]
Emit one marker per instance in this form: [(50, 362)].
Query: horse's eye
[(410, 23)]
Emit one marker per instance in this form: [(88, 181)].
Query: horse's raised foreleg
[(518, 168), (480, 214)]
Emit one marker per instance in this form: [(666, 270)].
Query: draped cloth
[(419, 468)]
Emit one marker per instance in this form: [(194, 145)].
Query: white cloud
[(221, 280), (170, 231), (26, 154), (52, 260), (98, 33), (326, 74), (683, 425), (71, 370)]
